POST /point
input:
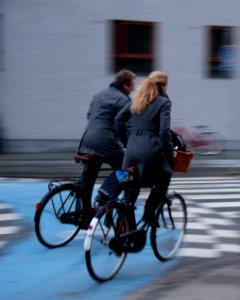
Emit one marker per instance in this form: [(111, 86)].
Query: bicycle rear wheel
[(172, 218), (57, 216), (103, 253), (211, 143)]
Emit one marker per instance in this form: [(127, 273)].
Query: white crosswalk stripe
[(9, 229), (8, 226), (10, 216), (213, 215)]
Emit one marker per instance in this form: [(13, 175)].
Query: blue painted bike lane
[(30, 271)]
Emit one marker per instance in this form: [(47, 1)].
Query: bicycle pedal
[(71, 218), (115, 245)]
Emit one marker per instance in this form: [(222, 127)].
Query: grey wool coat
[(149, 147), (100, 137)]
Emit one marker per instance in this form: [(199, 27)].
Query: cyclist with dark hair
[(100, 137)]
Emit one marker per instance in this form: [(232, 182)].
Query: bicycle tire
[(212, 142), (50, 228), (172, 217), (103, 258)]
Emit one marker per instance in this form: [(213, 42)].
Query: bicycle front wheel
[(57, 216), (172, 218), (103, 253)]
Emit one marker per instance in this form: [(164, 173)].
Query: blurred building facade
[(54, 55)]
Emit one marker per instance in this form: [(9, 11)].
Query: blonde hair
[(148, 91)]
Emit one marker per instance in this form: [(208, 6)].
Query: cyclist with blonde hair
[(149, 148)]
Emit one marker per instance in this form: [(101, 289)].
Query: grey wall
[(57, 55)]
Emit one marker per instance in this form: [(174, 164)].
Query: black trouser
[(155, 197), (111, 186), (132, 195)]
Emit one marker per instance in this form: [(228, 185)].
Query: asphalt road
[(215, 279)]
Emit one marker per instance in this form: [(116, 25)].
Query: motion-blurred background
[(54, 55)]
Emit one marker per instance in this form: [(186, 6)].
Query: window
[(133, 46), (221, 52)]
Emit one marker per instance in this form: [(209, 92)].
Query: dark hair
[(125, 76)]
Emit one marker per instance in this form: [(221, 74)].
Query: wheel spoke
[(167, 239), (54, 222)]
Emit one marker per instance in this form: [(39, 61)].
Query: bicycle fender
[(88, 238)]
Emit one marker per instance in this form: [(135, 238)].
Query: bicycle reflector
[(38, 205)]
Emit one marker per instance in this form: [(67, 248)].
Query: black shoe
[(101, 199)]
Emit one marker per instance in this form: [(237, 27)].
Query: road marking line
[(10, 216), (199, 238), (209, 178), (208, 191), (199, 210), (196, 182), (5, 206), (225, 233), (196, 252), (216, 221), (9, 229), (228, 248), (196, 225), (213, 197), (208, 185), (230, 214), (222, 204)]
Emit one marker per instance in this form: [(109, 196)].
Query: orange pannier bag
[(182, 161)]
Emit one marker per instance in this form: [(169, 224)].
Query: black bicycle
[(60, 214), (108, 239)]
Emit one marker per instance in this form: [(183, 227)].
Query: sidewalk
[(47, 165)]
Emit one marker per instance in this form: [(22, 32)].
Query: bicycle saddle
[(82, 156)]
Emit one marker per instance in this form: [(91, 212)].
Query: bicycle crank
[(132, 241)]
